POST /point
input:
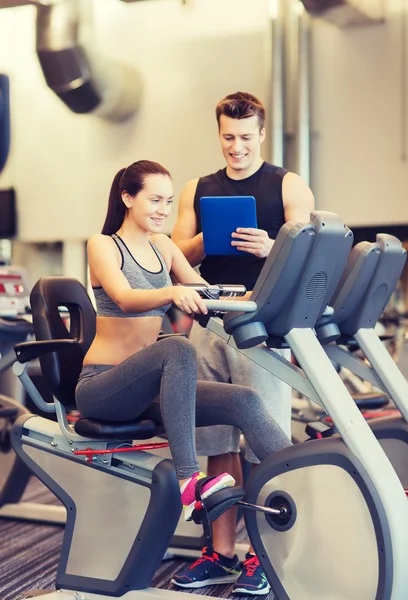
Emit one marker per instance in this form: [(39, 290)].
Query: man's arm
[(298, 202), (185, 230), (298, 199)]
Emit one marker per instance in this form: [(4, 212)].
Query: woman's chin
[(155, 229)]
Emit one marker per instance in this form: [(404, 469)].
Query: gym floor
[(29, 556)]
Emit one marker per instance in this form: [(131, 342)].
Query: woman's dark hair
[(130, 180)]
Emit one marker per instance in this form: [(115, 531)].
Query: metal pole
[(393, 381), (303, 87), (276, 93)]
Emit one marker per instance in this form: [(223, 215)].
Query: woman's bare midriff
[(118, 338)]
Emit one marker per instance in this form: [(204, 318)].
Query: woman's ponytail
[(116, 207)]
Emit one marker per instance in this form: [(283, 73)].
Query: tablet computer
[(220, 216)]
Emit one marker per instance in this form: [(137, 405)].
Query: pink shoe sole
[(224, 482)]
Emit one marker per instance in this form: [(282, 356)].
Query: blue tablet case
[(220, 216)]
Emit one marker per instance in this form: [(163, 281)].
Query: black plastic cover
[(4, 119), (68, 73), (297, 280), (368, 281)]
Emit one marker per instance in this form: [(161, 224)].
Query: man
[(280, 196)]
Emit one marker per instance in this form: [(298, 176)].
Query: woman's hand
[(188, 300)]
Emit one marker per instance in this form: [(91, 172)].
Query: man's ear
[(262, 135)]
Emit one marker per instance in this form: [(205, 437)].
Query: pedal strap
[(216, 504), (199, 486), (200, 514)]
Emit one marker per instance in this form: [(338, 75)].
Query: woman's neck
[(134, 234)]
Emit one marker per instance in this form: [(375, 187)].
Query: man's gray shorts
[(219, 362)]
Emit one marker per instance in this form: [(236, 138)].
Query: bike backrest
[(48, 299)]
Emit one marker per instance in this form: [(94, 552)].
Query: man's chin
[(237, 166)]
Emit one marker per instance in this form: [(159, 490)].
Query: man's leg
[(224, 528), (213, 366), (277, 397)]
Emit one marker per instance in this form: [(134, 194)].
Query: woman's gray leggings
[(163, 378)]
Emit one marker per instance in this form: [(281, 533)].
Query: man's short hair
[(241, 105)]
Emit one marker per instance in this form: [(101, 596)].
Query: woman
[(125, 370)]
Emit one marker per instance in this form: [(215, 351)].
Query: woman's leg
[(221, 403), (167, 371)]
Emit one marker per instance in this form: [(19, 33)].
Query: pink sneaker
[(214, 485)]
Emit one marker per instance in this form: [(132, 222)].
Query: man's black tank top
[(266, 187)]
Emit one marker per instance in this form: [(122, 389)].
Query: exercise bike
[(347, 485), (370, 278)]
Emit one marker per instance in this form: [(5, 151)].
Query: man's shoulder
[(274, 170)]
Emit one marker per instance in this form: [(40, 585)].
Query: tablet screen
[(220, 216)]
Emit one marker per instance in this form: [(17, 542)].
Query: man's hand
[(254, 241)]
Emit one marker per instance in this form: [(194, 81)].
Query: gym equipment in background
[(15, 327), (370, 278)]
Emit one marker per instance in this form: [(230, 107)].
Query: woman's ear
[(127, 199)]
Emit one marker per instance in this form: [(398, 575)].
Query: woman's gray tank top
[(139, 278)]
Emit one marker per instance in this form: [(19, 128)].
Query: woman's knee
[(248, 399), (179, 348)]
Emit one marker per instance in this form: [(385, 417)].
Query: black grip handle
[(27, 351)]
